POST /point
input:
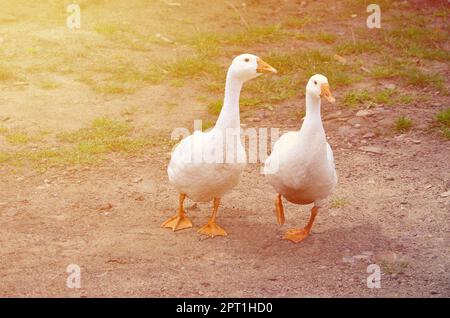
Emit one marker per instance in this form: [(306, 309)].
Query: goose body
[(207, 165), (306, 172), (301, 166), (203, 181)]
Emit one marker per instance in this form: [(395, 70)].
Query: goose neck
[(313, 119), (229, 115)]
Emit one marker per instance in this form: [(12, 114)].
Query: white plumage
[(301, 166), (198, 167), (207, 165)]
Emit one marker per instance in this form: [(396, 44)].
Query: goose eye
[(315, 82), (247, 59)]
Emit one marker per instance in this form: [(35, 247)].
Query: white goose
[(203, 166), (301, 166)]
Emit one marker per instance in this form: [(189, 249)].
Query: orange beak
[(264, 67), (325, 92)]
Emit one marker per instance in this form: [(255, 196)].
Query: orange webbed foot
[(212, 229), (296, 235), (177, 223)]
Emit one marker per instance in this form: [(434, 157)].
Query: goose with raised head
[(301, 166), (207, 165)]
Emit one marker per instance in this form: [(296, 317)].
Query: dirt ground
[(391, 206)]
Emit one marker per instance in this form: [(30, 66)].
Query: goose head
[(318, 87), (248, 66)]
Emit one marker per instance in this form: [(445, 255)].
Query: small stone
[(346, 131), (357, 120), (194, 206), (357, 126), (389, 179), (340, 59), (137, 179), (428, 186), (371, 149), (363, 113), (348, 259), (445, 194), (107, 206), (369, 135), (332, 116), (433, 292), (390, 86), (386, 122), (416, 141), (385, 257), (140, 198)]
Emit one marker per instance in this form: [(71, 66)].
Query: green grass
[(206, 124), (83, 146), (339, 203), (348, 48), (356, 98), (406, 99), (428, 53), (418, 41), (309, 62), (215, 107), (299, 22), (272, 89), (206, 44), (407, 73), (6, 73), (106, 29), (443, 12), (193, 66), (113, 88), (414, 76), (416, 34), (403, 124), (384, 96), (17, 138), (325, 37), (394, 267), (257, 35), (48, 84), (104, 136), (443, 118)]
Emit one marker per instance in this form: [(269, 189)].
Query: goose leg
[(211, 228), (179, 221), (279, 209), (298, 235)]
